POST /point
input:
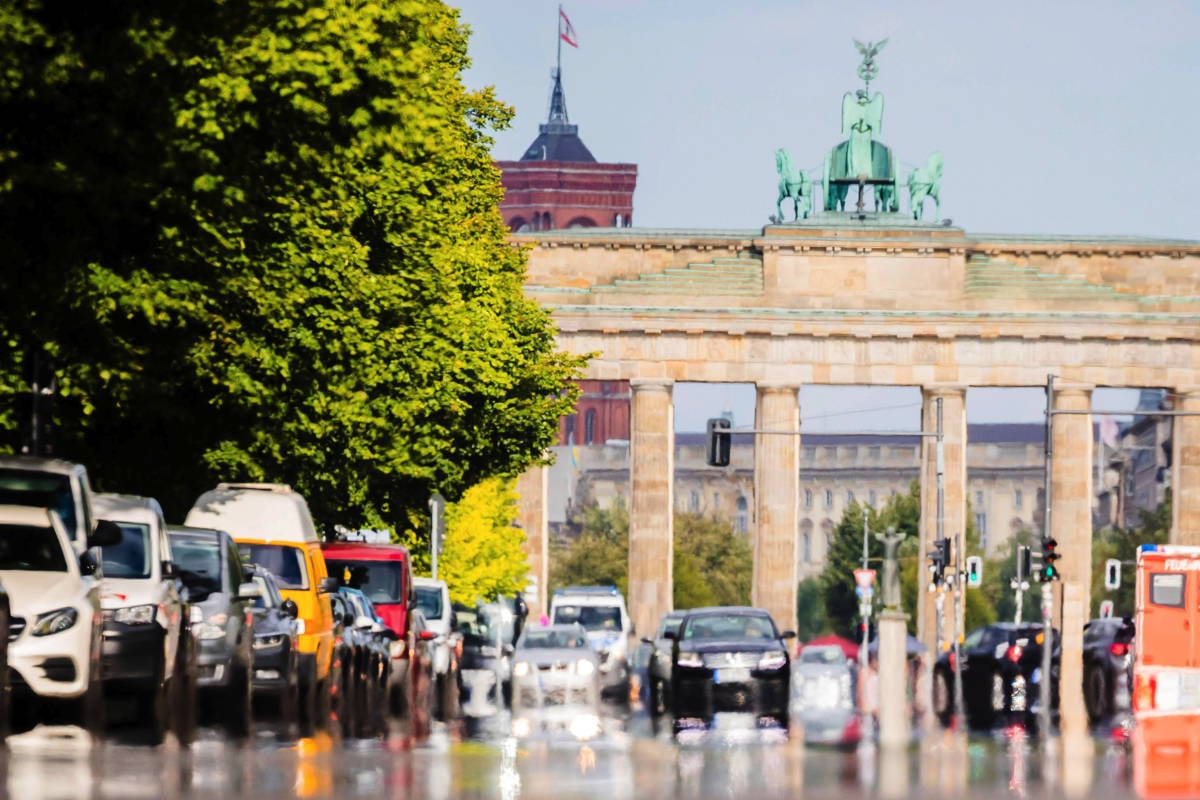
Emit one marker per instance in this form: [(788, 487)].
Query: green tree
[(598, 555), (810, 610), (713, 564), (261, 241), (1154, 527), (484, 555)]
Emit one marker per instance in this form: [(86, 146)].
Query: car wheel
[(308, 695), (92, 707), (154, 708), (943, 701), (183, 694), (237, 703), (1095, 694), (348, 704)]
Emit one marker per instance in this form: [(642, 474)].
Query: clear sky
[(1060, 117)]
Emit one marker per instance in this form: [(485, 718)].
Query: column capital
[(652, 384), (776, 387), (1072, 388), (944, 389)]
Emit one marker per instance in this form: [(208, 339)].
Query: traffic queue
[(116, 618)]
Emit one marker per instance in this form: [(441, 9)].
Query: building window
[(829, 498), (1018, 498), (979, 499), (694, 502), (716, 501), (806, 547), (871, 498), (850, 497), (808, 498), (981, 529), (546, 221), (617, 221), (589, 426), (742, 521), (571, 428)]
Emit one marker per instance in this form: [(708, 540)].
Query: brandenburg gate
[(870, 296)]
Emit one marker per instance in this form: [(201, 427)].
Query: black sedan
[(728, 659), (1107, 666), (1001, 674), (276, 646)]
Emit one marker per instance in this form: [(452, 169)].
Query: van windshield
[(382, 581), (593, 618), (284, 562), (21, 487), (129, 558)]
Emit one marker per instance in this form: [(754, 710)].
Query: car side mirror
[(106, 534), (249, 591), (328, 585), (788, 635), (668, 634), (288, 607), (647, 640), (168, 569), (88, 564)]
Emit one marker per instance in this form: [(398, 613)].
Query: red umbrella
[(848, 647)]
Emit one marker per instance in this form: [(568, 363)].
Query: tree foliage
[(598, 556), (483, 555), (260, 240), (1154, 527)]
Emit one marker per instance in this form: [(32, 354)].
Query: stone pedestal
[(777, 502), (652, 476), (954, 445), (895, 719), (1185, 469), (1071, 526), (531, 516)]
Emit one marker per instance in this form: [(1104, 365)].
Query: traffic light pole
[(1044, 716)]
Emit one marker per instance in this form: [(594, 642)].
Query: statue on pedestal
[(862, 159), (891, 568)]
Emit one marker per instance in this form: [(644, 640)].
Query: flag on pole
[(566, 30), (1108, 430)]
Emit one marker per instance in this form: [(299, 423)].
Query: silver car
[(555, 682), (823, 686)]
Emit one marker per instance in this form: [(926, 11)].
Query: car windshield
[(822, 655), (129, 558), (593, 618), (551, 639), (726, 627), (21, 487), (382, 581), (199, 563), (28, 547), (284, 562), (477, 626), (429, 600)]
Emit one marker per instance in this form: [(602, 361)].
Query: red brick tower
[(559, 184)]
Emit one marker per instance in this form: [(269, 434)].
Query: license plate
[(731, 675)]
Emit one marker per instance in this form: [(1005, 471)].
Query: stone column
[(776, 502), (954, 515), (1185, 469), (1071, 468), (532, 517), (651, 506), (895, 714)]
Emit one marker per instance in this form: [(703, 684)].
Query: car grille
[(721, 660), (16, 626)]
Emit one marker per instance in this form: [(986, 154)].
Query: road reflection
[(627, 759)]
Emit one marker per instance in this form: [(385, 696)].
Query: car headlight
[(210, 631), (135, 615), (273, 640), (56, 621), (584, 667), (773, 660), (690, 660), (521, 669)]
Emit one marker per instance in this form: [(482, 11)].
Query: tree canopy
[(483, 556), (260, 240)]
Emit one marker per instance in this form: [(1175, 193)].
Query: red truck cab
[(384, 573)]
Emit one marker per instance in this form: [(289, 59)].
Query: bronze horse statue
[(794, 183)]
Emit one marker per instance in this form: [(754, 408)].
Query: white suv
[(601, 611), (55, 629), (148, 652), (433, 598)]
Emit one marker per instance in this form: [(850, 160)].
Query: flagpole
[(558, 29)]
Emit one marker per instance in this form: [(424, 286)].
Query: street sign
[(1106, 609), (864, 593), (865, 578)]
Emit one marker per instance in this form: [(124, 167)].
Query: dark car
[(276, 646), (1001, 675), (1107, 666), (652, 664), (222, 623), (729, 658), (369, 639)]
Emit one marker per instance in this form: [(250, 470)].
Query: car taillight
[(1014, 652), (951, 660), (1119, 648)]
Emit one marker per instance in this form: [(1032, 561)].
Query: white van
[(601, 611), (259, 511), (147, 645)]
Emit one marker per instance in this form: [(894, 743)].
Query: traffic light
[(939, 558), (717, 452), (1024, 562), (1050, 555), (974, 571)]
